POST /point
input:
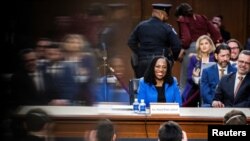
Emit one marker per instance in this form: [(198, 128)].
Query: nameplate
[(164, 108)]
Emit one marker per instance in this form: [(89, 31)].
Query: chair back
[(133, 86)]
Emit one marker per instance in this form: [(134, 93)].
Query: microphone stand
[(119, 80), (105, 64), (106, 67)]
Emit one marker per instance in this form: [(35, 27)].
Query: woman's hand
[(196, 72)]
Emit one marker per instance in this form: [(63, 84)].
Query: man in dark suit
[(27, 86), (233, 89), (211, 76)]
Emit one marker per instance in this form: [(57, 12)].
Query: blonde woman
[(81, 63), (204, 54)]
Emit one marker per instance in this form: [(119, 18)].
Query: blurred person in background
[(115, 88), (236, 48), (218, 23), (58, 79), (118, 28), (27, 88), (81, 61), (91, 24), (40, 46), (27, 84)]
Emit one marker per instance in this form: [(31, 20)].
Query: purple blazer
[(192, 64)]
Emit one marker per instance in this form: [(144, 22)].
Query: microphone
[(104, 35), (106, 30), (104, 51), (112, 69), (119, 79)]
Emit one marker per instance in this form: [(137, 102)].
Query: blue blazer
[(149, 92), (63, 85), (225, 91), (209, 81)]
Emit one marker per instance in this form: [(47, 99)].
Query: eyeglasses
[(243, 62)]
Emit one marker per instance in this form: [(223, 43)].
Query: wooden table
[(74, 121)]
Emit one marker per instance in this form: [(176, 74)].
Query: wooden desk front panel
[(76, 121), (79, 128), (196, 128)]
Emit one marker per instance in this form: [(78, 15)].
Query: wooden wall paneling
[(42, 13)]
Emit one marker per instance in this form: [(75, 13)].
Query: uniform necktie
[(238, 85), (221, 73)]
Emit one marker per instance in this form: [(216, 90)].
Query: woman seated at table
[(158, 84)]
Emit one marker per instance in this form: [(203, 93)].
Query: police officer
[(153, 37)]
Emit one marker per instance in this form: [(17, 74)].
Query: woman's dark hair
[(184, 9), (149, 75)]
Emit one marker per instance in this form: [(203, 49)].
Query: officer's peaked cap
[(161, 6)]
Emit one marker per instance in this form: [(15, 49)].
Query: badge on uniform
[(174, 31)]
